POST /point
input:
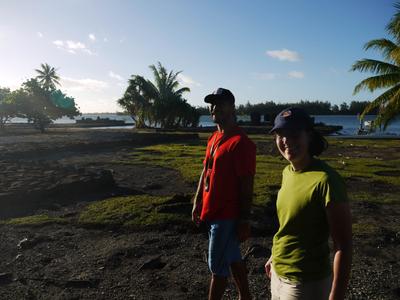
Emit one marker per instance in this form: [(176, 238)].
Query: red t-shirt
[(234, 157)]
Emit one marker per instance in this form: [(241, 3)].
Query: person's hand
[(243, 231), (268, 268), (196, 214)]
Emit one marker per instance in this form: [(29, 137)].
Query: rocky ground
[(63, 261)]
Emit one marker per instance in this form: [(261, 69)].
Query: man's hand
[(243, 231), (198, 201), (196, 213)]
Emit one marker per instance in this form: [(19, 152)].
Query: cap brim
[(214, 98), (292, 126), (272, 130), (209, 99)]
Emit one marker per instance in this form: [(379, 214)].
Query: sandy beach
[(60, 173)]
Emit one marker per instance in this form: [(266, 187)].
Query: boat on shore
[(99, 122)]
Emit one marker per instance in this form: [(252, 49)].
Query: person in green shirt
[(312, 205)]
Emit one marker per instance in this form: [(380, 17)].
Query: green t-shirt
[(300, 249)]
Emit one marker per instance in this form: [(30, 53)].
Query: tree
[(168, 95), (41, 106), (137, 100), (160, 103), (48, 77), (344, 108), (387, 74), (7, 107), (335, 109), (359, 106)]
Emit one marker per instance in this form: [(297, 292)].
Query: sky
[(271, 50)]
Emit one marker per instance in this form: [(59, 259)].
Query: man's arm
[(245, 197), (339, 218), (198, 201)]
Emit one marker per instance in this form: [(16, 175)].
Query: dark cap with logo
[(219, 95), (293, 118)]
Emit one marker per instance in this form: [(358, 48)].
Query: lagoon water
[(350, 123)]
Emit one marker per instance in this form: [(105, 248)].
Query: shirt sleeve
[(244, 155), (334, 189)]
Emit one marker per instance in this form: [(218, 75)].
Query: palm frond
[(388, 112), (378, 82), (47, 76), (388, 48), (388, 103), (374, 66), (182, 90), (41, 73), (156, 74), (394, 25), (381, 100)]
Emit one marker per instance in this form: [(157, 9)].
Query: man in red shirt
[(224, 195)]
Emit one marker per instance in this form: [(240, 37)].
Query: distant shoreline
[(22, 129)]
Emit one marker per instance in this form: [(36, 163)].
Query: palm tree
[(48, 76), (387, 74), (137, 100), (157, 103), (168, 96)]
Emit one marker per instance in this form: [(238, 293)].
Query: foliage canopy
[(387, 74), (158, 103), (37, 100)]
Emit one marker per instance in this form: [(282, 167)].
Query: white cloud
[(92, 37), (284, 54), (39, 34), (265, 76), (186, 80), (58, 43), (72, 46), (105, 40), (296, 74), (86, 84), (115, 76)]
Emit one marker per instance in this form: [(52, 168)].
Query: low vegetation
[(369, 167), (35, 220), (130, 211)]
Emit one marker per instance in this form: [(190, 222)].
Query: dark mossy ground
[(101, 249)]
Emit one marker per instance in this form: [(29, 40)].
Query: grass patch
[(35, 220), (365, 229), (187, 159), (268, 178), (131, 211), (361, 173), (365, 196)]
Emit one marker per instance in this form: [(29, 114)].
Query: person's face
[(221, 111), (293, 144)]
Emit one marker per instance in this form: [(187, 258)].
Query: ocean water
[(350, 123)]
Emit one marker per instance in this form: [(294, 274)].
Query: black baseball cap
[(293, 118), (220, 94)]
